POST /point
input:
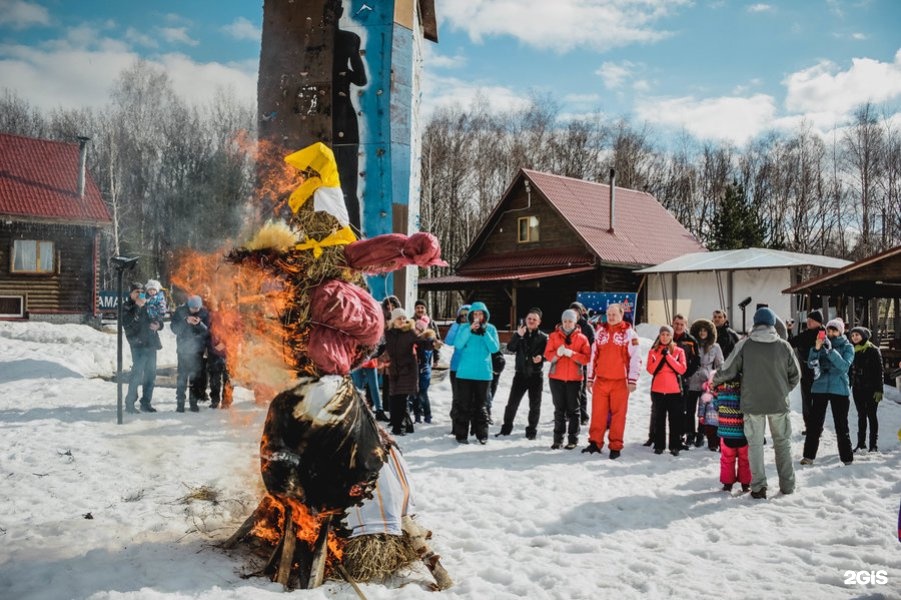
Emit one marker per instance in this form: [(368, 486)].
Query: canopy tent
[(696, 284)]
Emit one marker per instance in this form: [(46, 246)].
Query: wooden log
[(320, 554), (351, 581), (245, 527), (418, 536), (288, 544)]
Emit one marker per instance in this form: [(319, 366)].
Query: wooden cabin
[(51, 216), (550, 237)]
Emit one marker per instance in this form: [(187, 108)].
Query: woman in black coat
[(401, 340), (866, 385)]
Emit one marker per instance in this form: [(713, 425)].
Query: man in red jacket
[(613, 368)]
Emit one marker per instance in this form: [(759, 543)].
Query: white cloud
[(859, 36), (445, 92), (563, 25), (79, 71), (614, 75), (434, 59), (243, 29), (177, 35), (759, 8), (142, 39), (728, 118), (826, 90), (19, 14)]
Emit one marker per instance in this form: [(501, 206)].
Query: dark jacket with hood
[(136, 325), (403, 368), (866, 371)]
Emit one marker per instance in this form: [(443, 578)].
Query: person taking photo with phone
[(832, 356), (142, 332)]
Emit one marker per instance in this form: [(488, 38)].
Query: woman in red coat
[(567, 350), (666, 363)]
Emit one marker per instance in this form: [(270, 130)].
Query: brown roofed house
[(551, 236)]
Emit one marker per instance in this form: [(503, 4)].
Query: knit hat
[(836, 324), (195, 302), (463, 307), (398, 313), (764, 316), (863, 332), (136, 285), (666, 328), (816, 316), (152, 284), (569, 315)]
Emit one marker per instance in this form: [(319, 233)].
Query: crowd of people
[(709, 386)]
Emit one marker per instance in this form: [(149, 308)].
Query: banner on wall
[(597, 303)]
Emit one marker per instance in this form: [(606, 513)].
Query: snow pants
[(734, 464), (608, 396)]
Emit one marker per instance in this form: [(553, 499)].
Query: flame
[(271, 525)]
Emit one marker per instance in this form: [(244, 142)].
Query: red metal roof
[(645, 233), (515, 262), (525, 275), (39, 181)]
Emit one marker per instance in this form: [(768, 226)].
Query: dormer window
[(528, 229)]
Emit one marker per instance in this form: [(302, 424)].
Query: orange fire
[(271, 525), (252, 306)]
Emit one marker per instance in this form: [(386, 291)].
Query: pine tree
[(736, 224)]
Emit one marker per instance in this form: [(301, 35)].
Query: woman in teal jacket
[(475, 344), (831, 358)]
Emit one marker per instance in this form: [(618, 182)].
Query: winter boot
[(505, 430), (147, 408), (614, 454), (727, 487), (699, 439), (760, 494), (381, 416), (591, 448), (130, 408)]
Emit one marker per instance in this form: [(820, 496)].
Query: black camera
[(744, 303)]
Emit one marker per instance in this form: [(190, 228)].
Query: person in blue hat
[(769, 371)]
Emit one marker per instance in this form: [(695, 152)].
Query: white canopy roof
[(747, 258)]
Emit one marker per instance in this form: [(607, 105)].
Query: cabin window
[(528, 229), (33, 256)]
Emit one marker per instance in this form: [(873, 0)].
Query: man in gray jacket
[(768, 370)]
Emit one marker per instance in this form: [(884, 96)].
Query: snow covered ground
[(91, 509)]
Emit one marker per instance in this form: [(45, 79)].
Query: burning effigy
[(298, 317)]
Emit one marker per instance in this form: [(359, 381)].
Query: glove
[(877, 397), (561, 350), (827, 345), (568, 351), (664, 351)]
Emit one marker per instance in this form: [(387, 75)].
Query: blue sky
[(718, 69)]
